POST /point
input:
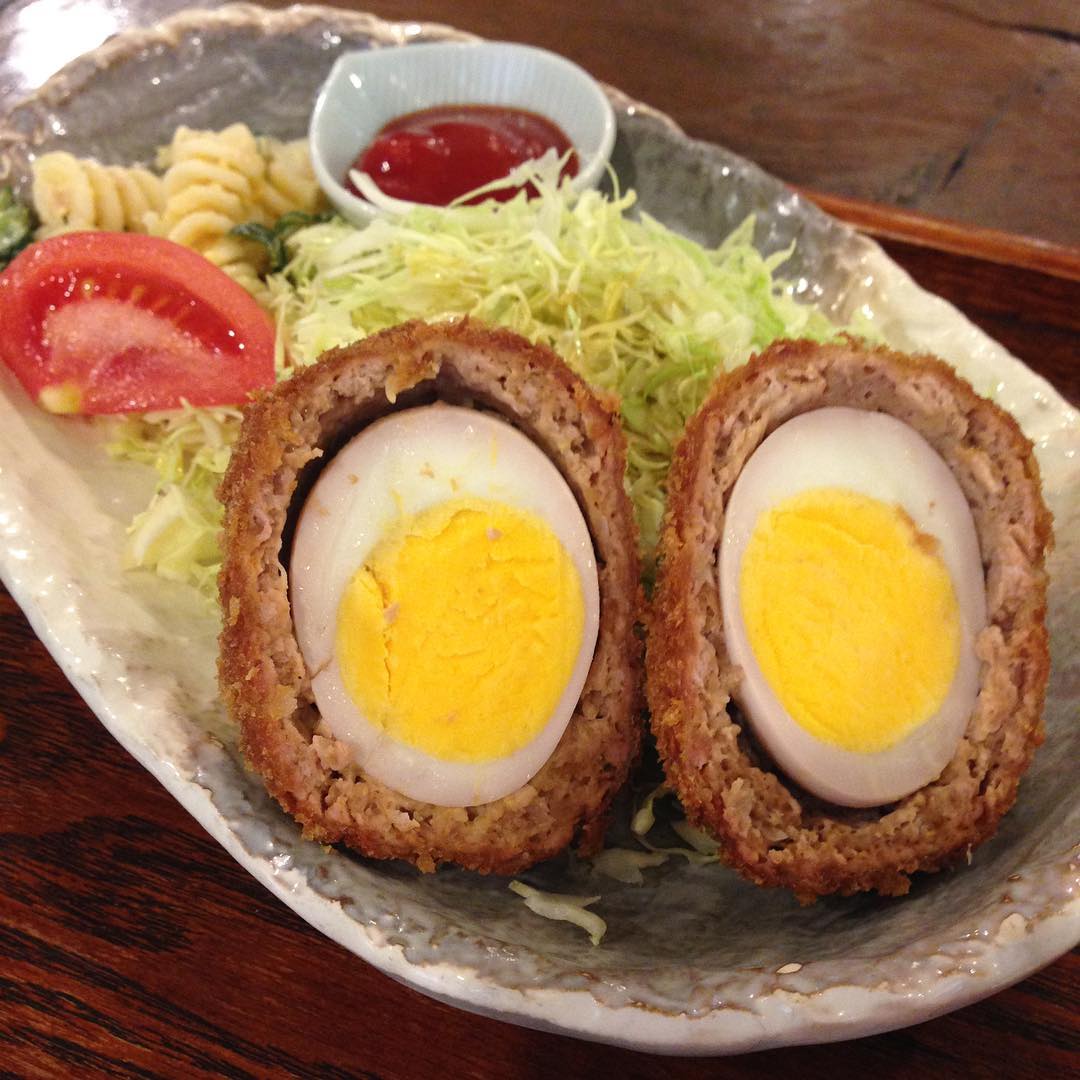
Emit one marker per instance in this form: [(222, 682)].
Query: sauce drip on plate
[(437, 155)]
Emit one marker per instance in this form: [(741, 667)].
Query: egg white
[(879, 456), (401, 465)]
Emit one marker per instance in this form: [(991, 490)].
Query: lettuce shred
[(633, 307), (177, 534)]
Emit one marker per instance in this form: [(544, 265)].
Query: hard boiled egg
[(445, 599), (852, 592)]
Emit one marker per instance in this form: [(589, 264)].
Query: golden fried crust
[(769, 830), (263, 679)]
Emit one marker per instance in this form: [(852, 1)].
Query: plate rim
[(780, 1017)]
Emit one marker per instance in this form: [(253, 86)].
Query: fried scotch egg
[(430, 588), (847, 652)]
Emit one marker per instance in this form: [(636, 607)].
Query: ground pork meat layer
[(285, 436), (771, 831)]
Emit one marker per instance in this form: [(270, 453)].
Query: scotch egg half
[(445, 600), (852, 592)]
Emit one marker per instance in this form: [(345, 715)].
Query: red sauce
[(436, 155)]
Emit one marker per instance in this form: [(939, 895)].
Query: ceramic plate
[(695, 960)]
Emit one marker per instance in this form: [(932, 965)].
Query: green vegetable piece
[(261, 234), (273, 237), (288, 223), (16, 226)]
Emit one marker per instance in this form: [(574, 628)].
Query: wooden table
[(132, 945), (965, 109)]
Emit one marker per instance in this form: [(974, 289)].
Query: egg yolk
[(460, 632), (851, 615)]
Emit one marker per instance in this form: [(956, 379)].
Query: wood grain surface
[(131, 945)]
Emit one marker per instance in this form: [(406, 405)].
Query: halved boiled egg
[(852, 592), (445, 599)]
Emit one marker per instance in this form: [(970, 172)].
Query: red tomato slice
[(101, 322)]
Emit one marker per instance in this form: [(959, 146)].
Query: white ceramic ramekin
[(366, 89)]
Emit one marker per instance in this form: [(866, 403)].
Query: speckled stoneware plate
[(695, 960)]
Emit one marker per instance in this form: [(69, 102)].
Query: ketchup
[(436, 155)]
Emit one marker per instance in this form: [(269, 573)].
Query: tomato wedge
[(102, 322)]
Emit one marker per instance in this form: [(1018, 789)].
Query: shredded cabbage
[(645, 815), (634, 307), (564, 908), (699, 840), (177, 534), (701, 848), (626, 864)]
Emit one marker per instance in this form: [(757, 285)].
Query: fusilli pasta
[(79, 193), (210, 185), (289, 183)]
